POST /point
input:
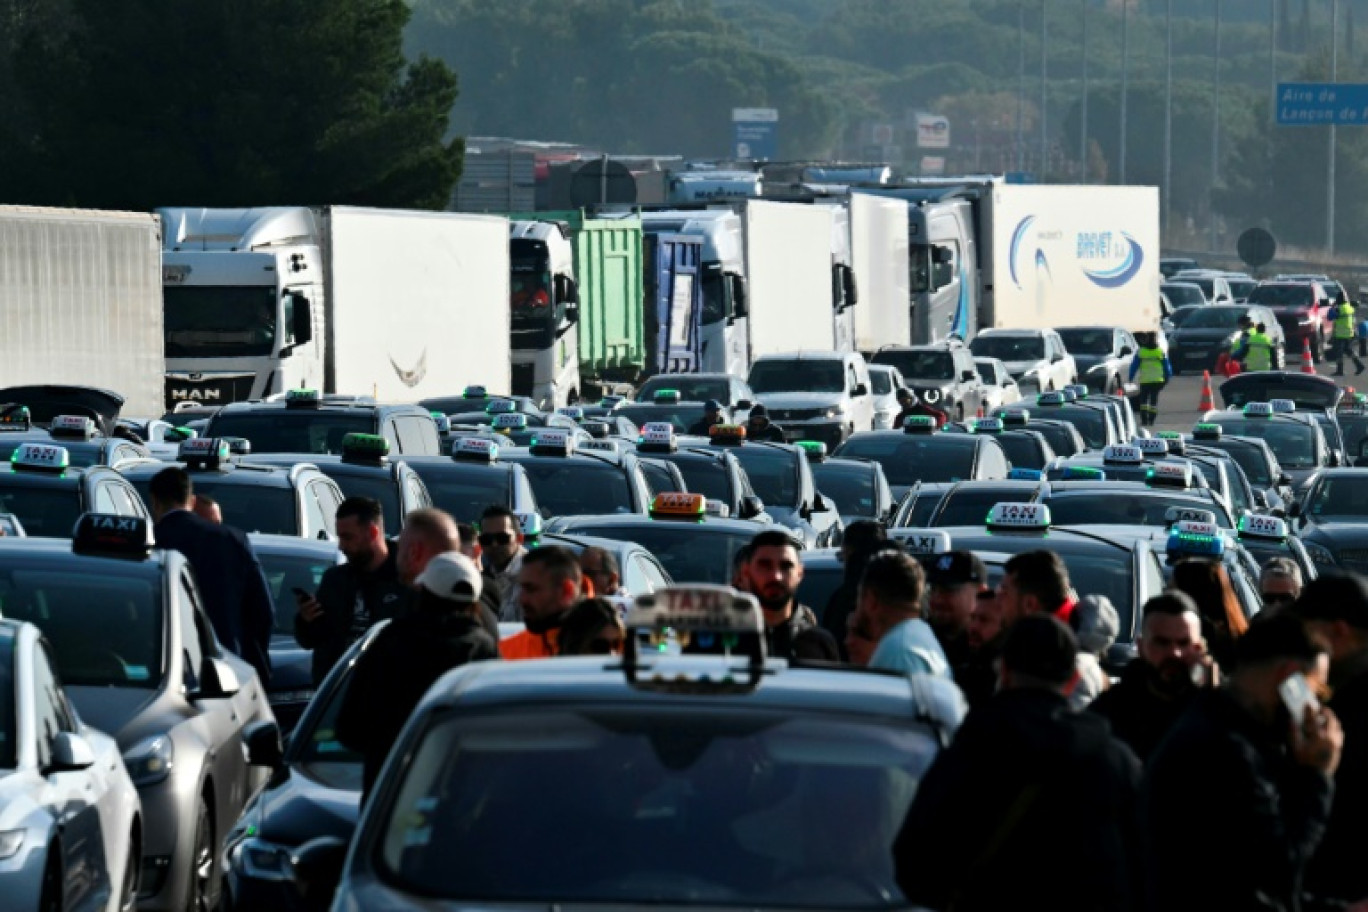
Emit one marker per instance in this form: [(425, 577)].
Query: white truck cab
[(544, 306)]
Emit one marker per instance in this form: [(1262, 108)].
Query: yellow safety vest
[(1151, 365), (1259, 353), (1344, 322)]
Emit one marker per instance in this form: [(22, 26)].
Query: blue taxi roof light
[(1196, 539), (1025, 475)]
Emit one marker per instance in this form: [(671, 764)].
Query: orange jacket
[(528, 645)]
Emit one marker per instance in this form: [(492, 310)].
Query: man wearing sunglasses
[(501, 546), (1280, 583)]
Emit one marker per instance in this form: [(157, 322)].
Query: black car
[(464, 484), (857, 487), (1332, 519), (1296, 439), (711, 471), (1094, 421), (732, 392), (1103, 355), (475, 399), (306, 422), (911, 458), (47, 494), (1214, 329), (967, 503), (944, 376)]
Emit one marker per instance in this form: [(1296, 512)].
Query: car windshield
[(1183, 294), (1251, 459), (909, 458), (1241, 289), (852, 489), (207, 321), (1180, 316), (915, 364), (681, 805), (9, 730), (688, 554), (798, 376), (706, 477), (465, 493), (1107, 508), (882, 382), (47, 511), (1088, 341), (373, 486), (1339, 495), (578, 488), (1093, 572), (104, 624), (1009, 348), (682, 416), (773, 474), (968, 505), (1215, 318), (251, 508), (1091, 423), (1024, 451), (691, 389), (1293, 444), (658, 478), (292, 430), (287, 572), (1283, 295)]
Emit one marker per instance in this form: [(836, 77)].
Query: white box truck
[(400, 305), (878, 241), (788, 271), (82, 302)]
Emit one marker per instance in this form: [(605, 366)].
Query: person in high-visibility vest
[(1257, 351), (1151, 367), (1344, 333)]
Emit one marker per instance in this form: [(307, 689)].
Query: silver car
[(884, 382), (70, 824), (138, 654)]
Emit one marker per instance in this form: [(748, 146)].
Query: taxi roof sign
[(696, 609), (658, 437), (40, 457), (1207, 430), (509, 421), (1019, 517), (1265, 527), (1196, 539), (302, 398), (921, 541), (665, 396), (1174, 441), (501, 407), (530, 524), (919, 424), (987, 426), (112, 535), (204, 452), (1170, 474), (474, 392), (1258, 409), (727, 434), (553, 441), (815, 450), (1282, 406), (1069, 395), (372, 448), (475, 449), (1083, 473), (573, 412), (1052, 398), (1175, 515), (1123, 454), (717, 508), (15, 417), (1016, 418), (679, 505), (601, 446), (1080, 390), (79, 426), (1150, 446), (1025, 475)]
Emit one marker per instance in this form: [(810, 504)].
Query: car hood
[(291, 667), (1201, 335), (126, 713), (1017, 368), (300, 809), (800, 400)]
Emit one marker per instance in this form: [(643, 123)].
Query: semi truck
[(399, 305), (83, 302)]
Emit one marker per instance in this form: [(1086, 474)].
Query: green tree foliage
[(228, 102)]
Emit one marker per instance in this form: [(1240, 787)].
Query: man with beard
[(548, 586), (890, 598), (977, 677), (955, 580), (772, 576), (1158, 686), (863, 538)]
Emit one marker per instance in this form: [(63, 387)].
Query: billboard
[(754, 133), (933, 131)]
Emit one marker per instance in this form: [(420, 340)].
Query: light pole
[(1215, 130), (1044, 98), (1168, 114), (1125, 62), (1330, 181), (1083, 131)]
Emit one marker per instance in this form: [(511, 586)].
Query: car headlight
[(149, 761), (836, 411), (1319, 554), (11, 841), (931, 396), (263, 860)]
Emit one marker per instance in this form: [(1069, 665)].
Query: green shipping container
[(612, 342)]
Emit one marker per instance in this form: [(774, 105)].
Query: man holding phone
[(1236, 798), (351, 596)]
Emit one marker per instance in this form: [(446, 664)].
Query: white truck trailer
[(82, 302), (878, 241), (396, 304), (788, 270)]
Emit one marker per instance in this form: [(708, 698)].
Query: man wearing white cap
[(441, 631)]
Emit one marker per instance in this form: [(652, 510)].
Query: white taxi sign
[(476, 448), (41, 456), (1210, 530), (1282, 406), (713, 609), (1174, 515), (509, 422), (988, 425), (72, 425), (501, 407), (554, 439), (1172, 473), (1258, 410), (921, 541), (1019, 516), (1270, 527), (1120, 453), (658, 434), (1150, 446)]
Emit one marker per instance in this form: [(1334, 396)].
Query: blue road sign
[(754, 133), (1320, 104)]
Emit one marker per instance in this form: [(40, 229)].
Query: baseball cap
[(758, 409), (712, 405), (1041, 646), (955, 568), (451, 576)]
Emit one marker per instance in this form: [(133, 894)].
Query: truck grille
[(524, 377), (209, 391)]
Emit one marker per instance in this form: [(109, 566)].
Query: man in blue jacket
[(231, 583)]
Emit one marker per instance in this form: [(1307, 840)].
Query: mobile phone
[(1297, 695)]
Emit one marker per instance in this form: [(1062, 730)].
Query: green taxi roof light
[(365, 446)]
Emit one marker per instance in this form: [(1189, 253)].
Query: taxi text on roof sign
[(1178, 474), (816, 450), (1080, 390), (602, 446), (40, 457), (1258, 410), (72, 426), (919, 424), (573, 412), (554, 440), (1175, 515), (1207, 431), (208, 452), (1189, 527), (922, 541), (509, 422), (530, 524), (666, 396), (1282, 406), (476, 448), (302, 398), (1054, 397), (714, 609), (1016, 417), (1151, 446), (365, 446), (1025, 475), (1123, 454), (679, 505), (501, 407), (727, 434), (1269, 527), (987, 426), (1083, 473), (107, 533), (1019, 516), (1199, 539)]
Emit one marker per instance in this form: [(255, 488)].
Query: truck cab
[(544, 305), (243, 292)]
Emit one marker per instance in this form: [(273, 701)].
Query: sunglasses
[(1278, 598), (495, 538)]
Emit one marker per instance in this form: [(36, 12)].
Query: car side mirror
[(301, 320), (1126, 351), (819, 504), (968, 376), (1284, 480), (744, 405), (750, 507), (317, 867), (218, 680), (860, 390), (1295, 509), (262, 740), (70, 753)]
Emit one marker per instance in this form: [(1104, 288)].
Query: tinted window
[(711, 479), (9, 729), (681, 416), (46, 511), (1293, 445), (919, 365), (969, 505), (852, 489), (51, 717), (687, 555), (1091, 423), (1215, 318), (1009, 348), (292, 430), (1109, 509), (1283, 295), (808, 375), (484, 781), (251, 508), (1025, 452), (909, 458), (322, 757), (691, 389), (1183, 294), (465, 494), (1088, 341), (1339, 495), (882, 382), (658, 478), (287, 572), (377, 487), (575, 489), (773, 474), (1061, 439)]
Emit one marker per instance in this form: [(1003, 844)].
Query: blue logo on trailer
[(1099, 245), (1017, 235)]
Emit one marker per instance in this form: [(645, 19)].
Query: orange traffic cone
[(1307, 365), (1206, 404)]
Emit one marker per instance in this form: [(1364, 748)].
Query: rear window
[(251, 508), (565, 488), (852, 490), (1091, 423), (919, 365), (773, 474), (45, 511), (1282, 296), (1293, 445), (1009, 348), (465, 494), (292, 431), (691, 389), (909, 458)]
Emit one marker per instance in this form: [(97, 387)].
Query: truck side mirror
[(301, 319), (567, 292), (849, 286), (738, 290), (572, 313)]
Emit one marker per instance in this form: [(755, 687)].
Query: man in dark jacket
[(712, 416), (441, 632), (1236, 798), (1335, 608), (773, 574), (954, 581), (977, 677), (1159, 684), (759, 427), (863, 538), (1032, 806), (236, 597), (352, 596), (428, 533)]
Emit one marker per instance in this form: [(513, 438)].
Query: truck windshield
[(213, 321), (804, 376)]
